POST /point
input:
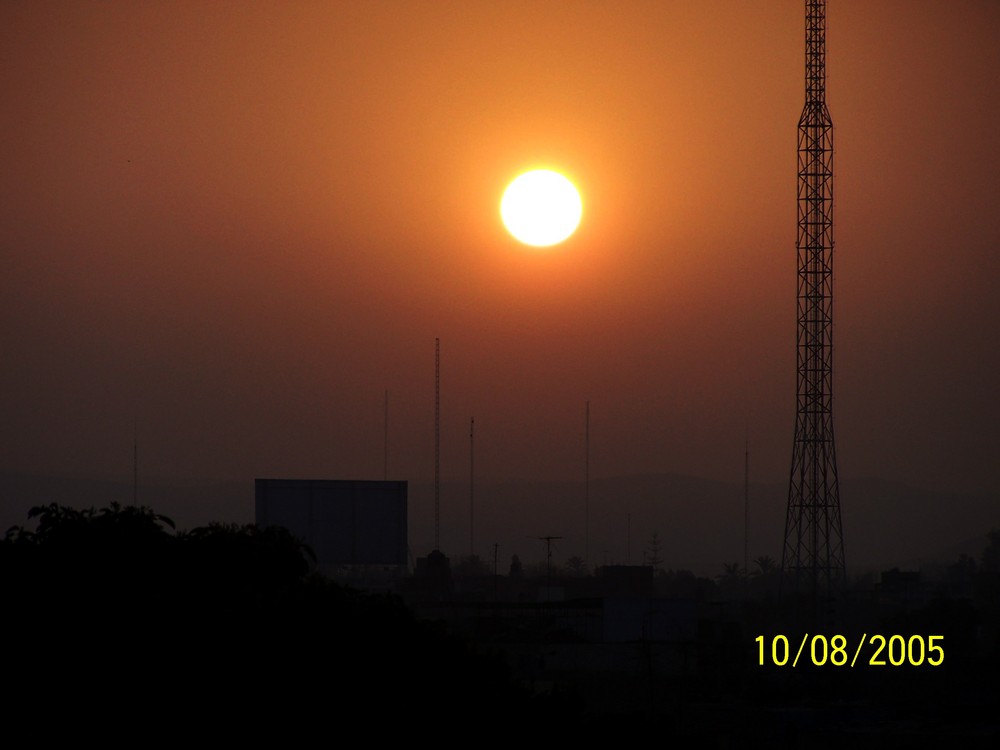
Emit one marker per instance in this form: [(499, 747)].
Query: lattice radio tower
[(812, 561)]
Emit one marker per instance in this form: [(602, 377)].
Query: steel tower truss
[(812, 560)]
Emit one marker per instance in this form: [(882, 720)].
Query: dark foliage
[(113, 618)]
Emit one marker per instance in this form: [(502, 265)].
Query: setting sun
[(541, 208)]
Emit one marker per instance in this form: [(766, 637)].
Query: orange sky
[(238, 223)]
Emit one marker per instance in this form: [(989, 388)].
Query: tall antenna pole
[(628, 539), (135, 462), (472, 485), (385, 436), (812, 560), (746, 505), (586, 485), (437, 443)]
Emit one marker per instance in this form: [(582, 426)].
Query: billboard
[(346, 522)]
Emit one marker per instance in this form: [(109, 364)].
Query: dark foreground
[(118, 628)]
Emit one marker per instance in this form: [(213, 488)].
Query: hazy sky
[(238, 223)]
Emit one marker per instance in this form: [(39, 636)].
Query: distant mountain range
[(699, 522)]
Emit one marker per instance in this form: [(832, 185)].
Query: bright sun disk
[(541, 208)]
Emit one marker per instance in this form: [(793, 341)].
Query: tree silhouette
[(576, 566), (516, 569), (732, 578), (764, 577), (218, 627), (765, 566), (991, 555)]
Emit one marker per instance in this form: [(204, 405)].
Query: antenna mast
[(472, 485), (135, 462), (746, 506), (385, 436), (586, 486), (812, 560), (437, 443)]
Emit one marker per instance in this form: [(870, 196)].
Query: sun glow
[(541, 208)]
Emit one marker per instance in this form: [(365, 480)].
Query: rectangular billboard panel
[(345, 522)]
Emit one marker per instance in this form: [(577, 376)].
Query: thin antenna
[(746, 505), (135, 462), (496, 552), (586, 486), (472, 484), (437, 443), (385, 437)]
